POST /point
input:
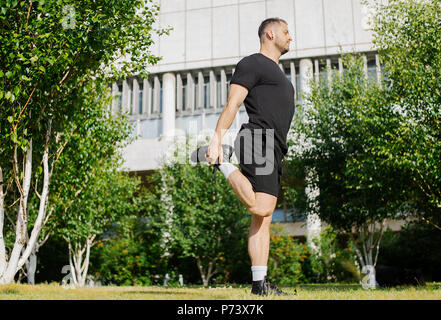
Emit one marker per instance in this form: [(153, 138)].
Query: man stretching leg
[(269, 101)]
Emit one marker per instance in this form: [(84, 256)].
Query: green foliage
[(335, 135), (406, 34), (208, 222), (416, 246), (332, 262), (129, 254), (286, 258), (57, 60)]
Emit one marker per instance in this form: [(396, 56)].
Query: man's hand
[(214, 151), (236, 96)]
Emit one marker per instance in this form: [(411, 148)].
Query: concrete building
[(187, 90)]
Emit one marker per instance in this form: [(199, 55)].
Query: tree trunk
[(365, 257), (31, 267), (21, 224), (79, 267), (205, 275), (2, 219), (18, 256)]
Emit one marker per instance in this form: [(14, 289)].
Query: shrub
[(285, 258), (130, 256), (332, 262)]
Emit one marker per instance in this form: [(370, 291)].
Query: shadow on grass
[(168, 292), (335, 287), (355, 286)]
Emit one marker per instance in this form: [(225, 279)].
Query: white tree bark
[(21, 224), (2, 219), (369, 246), (78, 266), (31, 267), (206, 274), (24, 246)]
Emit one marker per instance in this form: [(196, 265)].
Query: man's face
[(282, 38)]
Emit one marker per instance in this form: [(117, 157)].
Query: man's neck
[(272, 54)]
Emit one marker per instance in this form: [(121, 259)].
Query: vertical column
[(190, 103), (329, 71), (200, 97), (178, 93), (378, 67), (316, 70), (365, 66), (114, 98), (213, 90), (340, 66), (223, 76), (156, 94), (313, 224), (306, 74), (147, 98), (125, 96), (168, 104), (281, 67), (293, 79), (135, 97)]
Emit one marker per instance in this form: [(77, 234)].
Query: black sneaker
[(198, 156), (265, 288)]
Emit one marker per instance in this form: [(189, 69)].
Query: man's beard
[(282, 50)]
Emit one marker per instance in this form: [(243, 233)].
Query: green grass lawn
[(431, 291)]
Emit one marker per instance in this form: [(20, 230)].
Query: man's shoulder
[(252, 58)]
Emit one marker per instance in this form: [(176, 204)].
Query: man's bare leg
[(262, 206), (257, 203)]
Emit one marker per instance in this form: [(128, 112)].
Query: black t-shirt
[(270, 100)]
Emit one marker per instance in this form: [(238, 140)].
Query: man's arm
[(236, 96)]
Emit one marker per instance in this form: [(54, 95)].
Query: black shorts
[(260, 158)]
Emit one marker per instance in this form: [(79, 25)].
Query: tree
[(49, 52), (106, 198), (87, 191), (206, 220), (339, 124), (406, 34)]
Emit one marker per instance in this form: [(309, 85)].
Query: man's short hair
[(267, 22)]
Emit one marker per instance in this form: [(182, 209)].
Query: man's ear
[(270, 34)]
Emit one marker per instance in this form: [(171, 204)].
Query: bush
[(416, 246), (285, 258), (332, 262), (131, 254)]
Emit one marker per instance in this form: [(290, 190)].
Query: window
[(160, 98), (228, 83), (372, 69), (196, 93), (323, 73), (141, 89), (152, 94), (298, 93), (184, 89), (206, 90), (218, 91)]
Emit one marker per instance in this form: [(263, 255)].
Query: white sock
[(259, 272), (227, 168)]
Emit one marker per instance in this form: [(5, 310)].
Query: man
[(269, 101)]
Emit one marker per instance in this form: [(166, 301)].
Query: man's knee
[(261, 211)]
